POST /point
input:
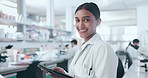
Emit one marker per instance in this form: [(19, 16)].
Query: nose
[(80, 25)]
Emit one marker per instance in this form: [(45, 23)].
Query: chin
[(82, 36)]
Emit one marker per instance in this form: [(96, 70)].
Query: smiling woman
[(92, 59)]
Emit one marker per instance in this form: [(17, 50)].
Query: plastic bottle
[(18, 57)]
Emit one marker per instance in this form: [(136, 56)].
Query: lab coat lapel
[(84, 46), (76, 57), (81, 51)]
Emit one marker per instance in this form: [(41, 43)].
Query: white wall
[(142, 24)]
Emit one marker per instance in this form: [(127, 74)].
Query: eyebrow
[(85, 17)]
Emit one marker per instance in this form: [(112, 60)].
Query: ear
[(99, 21)]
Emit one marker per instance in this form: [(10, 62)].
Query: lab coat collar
[(91, 41)]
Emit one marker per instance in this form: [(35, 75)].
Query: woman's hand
[(57, 69)]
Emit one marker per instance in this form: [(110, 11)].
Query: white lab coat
[(133, 52), (69, 56), (1, 76), (71, 53), (95, 59)]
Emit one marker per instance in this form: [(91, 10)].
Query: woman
[(133, 49), (95, 59)]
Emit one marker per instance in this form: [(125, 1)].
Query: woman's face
[(86, 23)]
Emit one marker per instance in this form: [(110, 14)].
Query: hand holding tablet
[(55, 72)]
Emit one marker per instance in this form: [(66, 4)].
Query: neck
[(90, 36)]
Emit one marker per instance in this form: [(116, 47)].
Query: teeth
[(82, 30)]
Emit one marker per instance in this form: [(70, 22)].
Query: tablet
[(54, 72)]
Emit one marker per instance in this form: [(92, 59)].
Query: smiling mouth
[(82, 31)]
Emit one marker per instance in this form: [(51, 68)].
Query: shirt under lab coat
[(95, 59)]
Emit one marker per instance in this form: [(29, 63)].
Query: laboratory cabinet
[(30, 32), (27, 26)]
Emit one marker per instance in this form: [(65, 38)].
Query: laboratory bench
[(135, 71), (15, 68), (7, 70)]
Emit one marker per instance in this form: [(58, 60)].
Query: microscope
[(3, 56)]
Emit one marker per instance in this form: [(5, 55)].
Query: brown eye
[(86, 20), (77, 20)]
